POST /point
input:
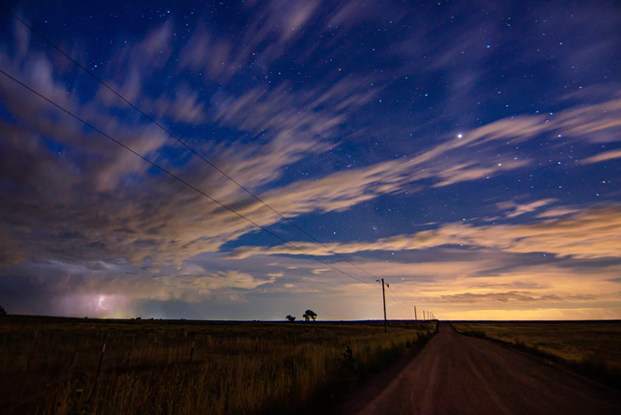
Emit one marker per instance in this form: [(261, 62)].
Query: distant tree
[(290, 318), (309, 314), (2, 311)]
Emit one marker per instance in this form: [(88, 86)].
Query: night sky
[(468, 152)]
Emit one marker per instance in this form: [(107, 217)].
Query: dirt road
[(456, 374)]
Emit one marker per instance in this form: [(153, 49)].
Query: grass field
[(592, 347), (50, 365)]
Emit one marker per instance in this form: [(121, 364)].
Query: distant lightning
[(101, 302)]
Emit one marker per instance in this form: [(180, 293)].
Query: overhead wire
[(169, 173), (390, 292), (189, 148), (398, 298), (167, 131), (184, 182)]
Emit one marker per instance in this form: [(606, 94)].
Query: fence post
[(103, 351)]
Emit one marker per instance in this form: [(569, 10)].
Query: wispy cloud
[(592, 233), (557, 211), (135, 63), (605, 156), (521, 209), (197, 287), (77, 206), (511, 296), (274, 27)]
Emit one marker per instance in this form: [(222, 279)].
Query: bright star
[(460, 135)]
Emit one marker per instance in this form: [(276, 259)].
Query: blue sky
[(467, 152)]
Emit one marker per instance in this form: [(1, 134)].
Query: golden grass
[(594, 346), (49, 365)]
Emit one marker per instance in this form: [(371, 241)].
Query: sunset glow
[(477, 172)]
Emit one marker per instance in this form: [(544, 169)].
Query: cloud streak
[(519, 210), (592, 233), (286, 104), (605, 156)]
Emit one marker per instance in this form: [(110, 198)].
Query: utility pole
[(384, 298), (415, 316)]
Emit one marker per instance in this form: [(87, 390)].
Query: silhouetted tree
[(2, 311), (308, 314), (290, 318)]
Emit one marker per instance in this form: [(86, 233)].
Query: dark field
[(592, 347), (50, 365)]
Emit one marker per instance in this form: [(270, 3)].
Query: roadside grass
[(50, 365), (591, 348)]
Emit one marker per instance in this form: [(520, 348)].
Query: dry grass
[(49, 365), (593, 347)]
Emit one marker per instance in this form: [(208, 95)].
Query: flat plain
[(593, 347), (56, 365)]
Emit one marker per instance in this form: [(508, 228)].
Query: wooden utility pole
[(384, 299), (415, 316)]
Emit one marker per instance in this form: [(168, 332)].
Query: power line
[(399, 298), (173, 175), (151, 119), (397, 301), (189, 148)]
